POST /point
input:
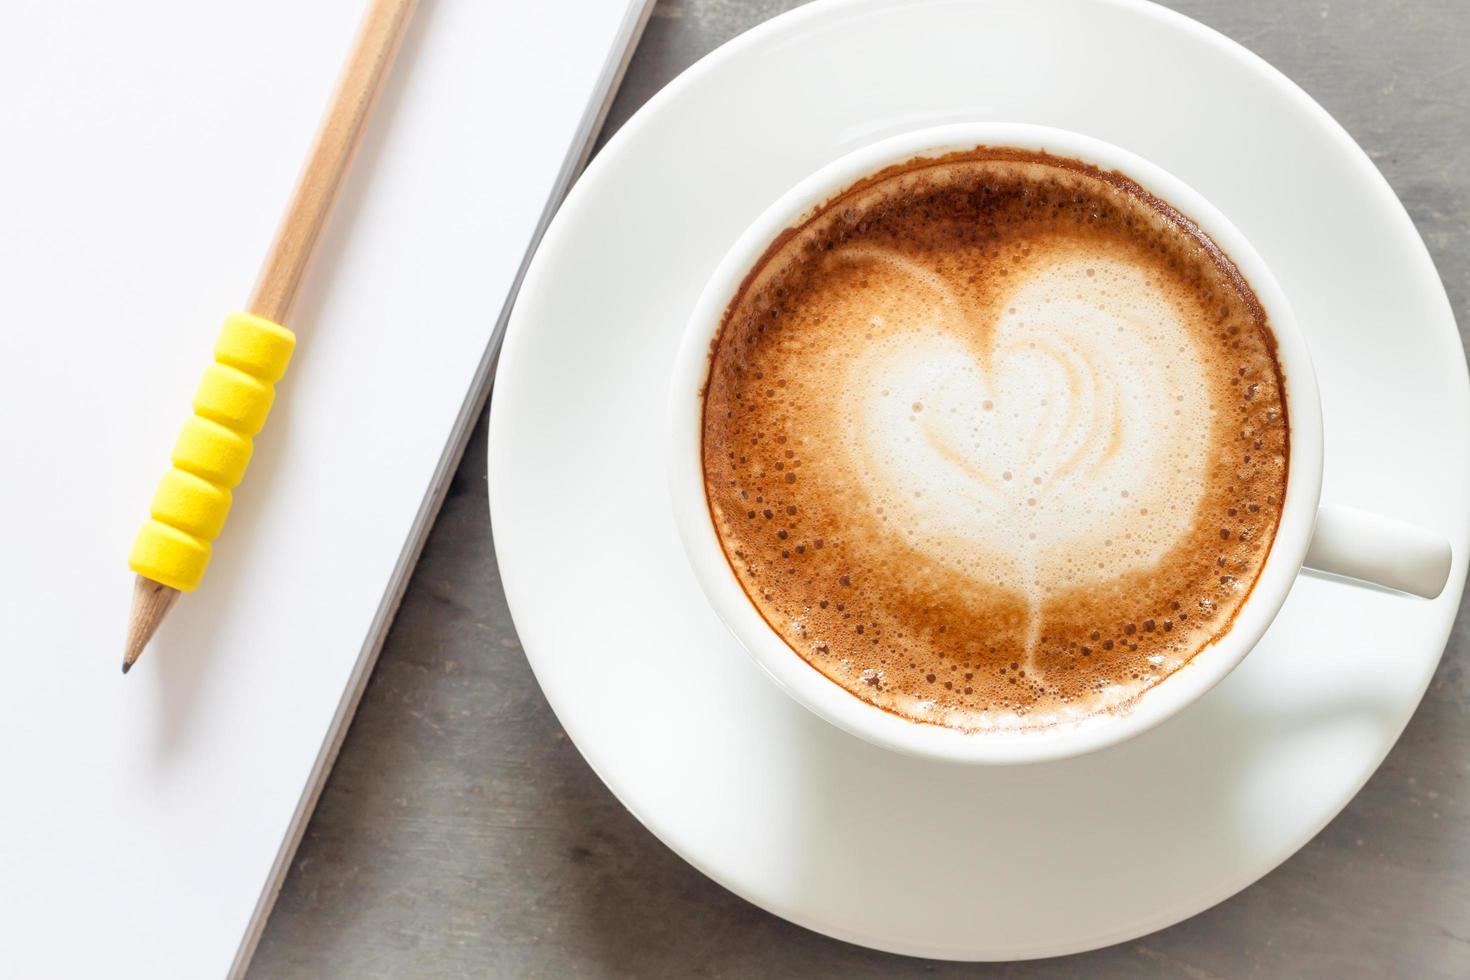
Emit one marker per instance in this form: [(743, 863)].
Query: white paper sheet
[(146, 153)]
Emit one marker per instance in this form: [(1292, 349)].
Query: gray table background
[(461, 833)]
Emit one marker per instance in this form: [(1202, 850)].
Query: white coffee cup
[(1311, 534)]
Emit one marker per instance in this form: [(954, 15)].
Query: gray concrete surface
[(462, 835)]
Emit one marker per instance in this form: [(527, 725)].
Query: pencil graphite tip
[(151, 602)]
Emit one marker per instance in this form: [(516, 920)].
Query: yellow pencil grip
[(230, 406)]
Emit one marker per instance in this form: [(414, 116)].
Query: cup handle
[(1372, 548)]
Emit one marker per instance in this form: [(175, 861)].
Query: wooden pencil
[(378, 40)]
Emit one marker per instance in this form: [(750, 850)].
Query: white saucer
[(798, 817)]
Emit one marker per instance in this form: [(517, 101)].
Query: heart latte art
[(995, 441), (1016, 451)]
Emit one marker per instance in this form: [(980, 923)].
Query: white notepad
[(146, 153)]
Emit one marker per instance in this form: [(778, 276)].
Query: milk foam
[(1063, 444)]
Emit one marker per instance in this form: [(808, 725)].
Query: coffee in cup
[(995, 439)]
